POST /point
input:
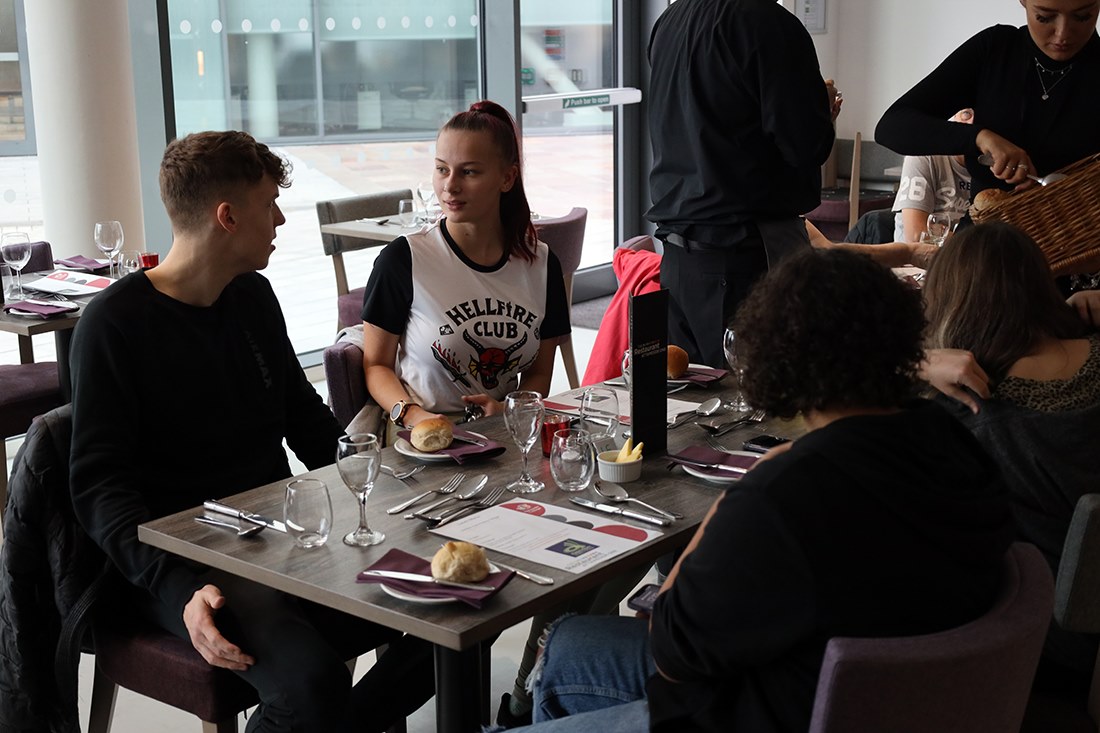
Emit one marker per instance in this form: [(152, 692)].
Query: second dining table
[(460, 634)]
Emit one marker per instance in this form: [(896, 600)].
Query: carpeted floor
[(589, 313)]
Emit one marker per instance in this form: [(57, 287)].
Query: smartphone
[(763, 443), (644, 599)]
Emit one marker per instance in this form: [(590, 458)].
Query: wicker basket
[(1063, 217)]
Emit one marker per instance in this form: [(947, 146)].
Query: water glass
[(129, 262), (358, 458), (729, 347), (572, 459), (307, 511), (406, 212), (523, 415), (15, 250), (600, 412)]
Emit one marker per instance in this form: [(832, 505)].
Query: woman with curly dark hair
[(886, 519)]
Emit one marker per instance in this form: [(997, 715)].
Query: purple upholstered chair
[(349, 304), (41, 257), (972, 679), (26, 391), (347, 388), (565, 238)]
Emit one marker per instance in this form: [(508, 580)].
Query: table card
[(561, 538), (649, 370)]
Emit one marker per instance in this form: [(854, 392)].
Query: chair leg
[(566, 348), (104, 694), (224, 726)]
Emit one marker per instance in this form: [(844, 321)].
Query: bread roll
[(460, 562), (988, 197), (677, 362), (432, 434)]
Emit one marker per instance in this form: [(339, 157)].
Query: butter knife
[(471, 441), (417, 578), (533, 577), (612, 509), (710, 466), (219, 508)]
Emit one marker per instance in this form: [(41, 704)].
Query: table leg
[(62, 339), (26, 350), (461, 697)]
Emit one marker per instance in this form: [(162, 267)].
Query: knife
[(464, 439), (214, 506), (417, 578), (611, 509), (710, 466)]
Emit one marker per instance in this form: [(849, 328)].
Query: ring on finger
[(1022, 167)]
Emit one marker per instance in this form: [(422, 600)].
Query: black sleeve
[(742, 598), (556, 321), (917, 124), (389, 292)]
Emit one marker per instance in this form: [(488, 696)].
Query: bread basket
[(1062, 217)]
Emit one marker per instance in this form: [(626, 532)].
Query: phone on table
[(763, 443), (644, 599)]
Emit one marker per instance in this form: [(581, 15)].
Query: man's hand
[(198, 617), (1087, 305), (950, 370), (836, 99)]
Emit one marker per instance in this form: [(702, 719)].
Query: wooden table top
[(326, 575), (369, 229)]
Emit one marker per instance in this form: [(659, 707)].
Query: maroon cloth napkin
[(404, 562), (462, 452), (82, 263), (41, 310), (703, 454), (702, 375)]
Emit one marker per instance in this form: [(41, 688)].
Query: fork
[(486, 501), (425, 513), (756, 417), (402, 475), (713, 443), (446, 488)]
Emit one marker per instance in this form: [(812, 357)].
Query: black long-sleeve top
[(174, 404), (738, 115), (995, 73)]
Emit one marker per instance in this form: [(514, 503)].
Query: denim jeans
[(593, 677)]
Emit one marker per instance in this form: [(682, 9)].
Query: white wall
[(877, 49)]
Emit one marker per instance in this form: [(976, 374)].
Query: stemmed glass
[(358, 457), (523, 416), (939, 226), (729, 346), (15, 248), (129, 262), (108, 240), (426, 192)]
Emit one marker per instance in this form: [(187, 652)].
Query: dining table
[(380, 229), (459, 633)]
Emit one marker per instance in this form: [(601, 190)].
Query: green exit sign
[(527, 76), (595, 100)]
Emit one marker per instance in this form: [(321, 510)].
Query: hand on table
[(953, 372), (198, 617)]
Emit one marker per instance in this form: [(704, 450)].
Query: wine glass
[(600, 406), (426, 193), (939, 226), (108, 240), (15, 248), (358, 457), (572, 459), (523, 416), (729, 346)]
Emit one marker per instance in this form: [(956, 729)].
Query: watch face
[(395, 412)]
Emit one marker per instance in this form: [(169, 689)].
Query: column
[(263, 103), (85, 124)]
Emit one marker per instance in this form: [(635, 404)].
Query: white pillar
[(85, 125), (263, 103)]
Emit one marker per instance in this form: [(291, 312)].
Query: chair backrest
[(356, 207), (565, 237), (971, 679), (347, 385), (874, 159), (41, 257), (1077, 590)]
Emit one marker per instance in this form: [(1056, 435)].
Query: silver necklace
[(1059, 73)]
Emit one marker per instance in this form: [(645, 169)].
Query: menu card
[(649, 370), (67, 282)]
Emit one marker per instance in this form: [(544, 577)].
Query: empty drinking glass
[(939, 227), (406, 212), (572, 459), (15, 250), (729, 346), (426, 193), (307, 511), (600, 412), (129, 262), (358, 458), (523, 416), (108, 240)]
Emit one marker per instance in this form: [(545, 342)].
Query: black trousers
[(300, 650)]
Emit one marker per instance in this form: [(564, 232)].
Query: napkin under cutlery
[(405, 562), (703, 458), (41, 308), (82, 263)]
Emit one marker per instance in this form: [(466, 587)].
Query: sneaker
[(507, 718)]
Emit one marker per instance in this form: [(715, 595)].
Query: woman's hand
[(952, 370), (488, 405), (1087, 305), (1011, 163), (416, 414), (921, 254)]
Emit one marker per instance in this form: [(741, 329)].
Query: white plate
[(719, 476), (690, 367), (406, 449), (403, 596)]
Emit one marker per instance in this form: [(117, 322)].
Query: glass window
[(16, 134)]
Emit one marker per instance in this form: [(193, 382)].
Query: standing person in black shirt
[(185, 385), (740, 122)]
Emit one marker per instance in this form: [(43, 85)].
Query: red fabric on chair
[(638, 271)]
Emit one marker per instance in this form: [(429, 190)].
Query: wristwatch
[(397, 412)]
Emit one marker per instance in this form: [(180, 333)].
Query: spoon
[(706, 409), (245, 531), (402, 475), (1049, 178), (617, 494)]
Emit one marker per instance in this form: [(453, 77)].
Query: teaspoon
[(617, 494)]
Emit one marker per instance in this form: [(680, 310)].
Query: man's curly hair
[(829, 329)]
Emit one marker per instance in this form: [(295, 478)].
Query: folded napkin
[(82, 263), (462, 452), (404, 562), (702, 375), (38, 308), (703, 454)]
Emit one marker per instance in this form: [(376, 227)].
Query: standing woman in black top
[(1035, 91)]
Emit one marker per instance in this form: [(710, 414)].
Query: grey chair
[(971, 679), (349, 303), (565, 238)]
